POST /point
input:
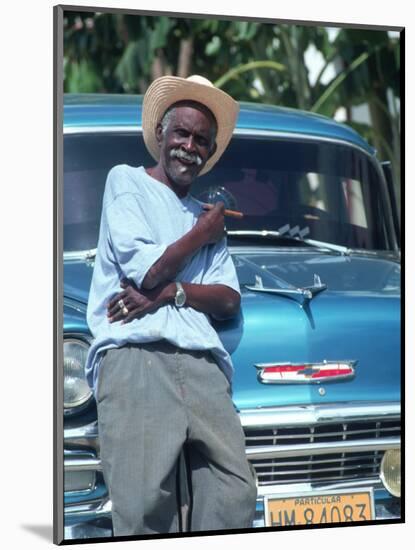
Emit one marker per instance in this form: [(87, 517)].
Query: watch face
[(180, 297)]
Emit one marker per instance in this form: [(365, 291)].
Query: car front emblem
[(305, 373)]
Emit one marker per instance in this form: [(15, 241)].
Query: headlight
[(390, 472), (76, 390)]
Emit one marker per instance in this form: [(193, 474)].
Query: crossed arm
[(157, 289)]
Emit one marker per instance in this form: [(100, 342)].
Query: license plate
[(318, 508)]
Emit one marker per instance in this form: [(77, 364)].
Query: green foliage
[(123, 53), (82, 78), (261, 62)]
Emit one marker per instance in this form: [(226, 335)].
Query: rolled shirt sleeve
[(221, 268), (133, 244)]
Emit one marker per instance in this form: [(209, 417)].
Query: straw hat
[(167, 90)]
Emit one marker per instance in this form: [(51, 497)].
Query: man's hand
[(220, 301), (138, 302), (212, 223)]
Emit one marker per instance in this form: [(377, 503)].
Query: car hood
[(356, 317)]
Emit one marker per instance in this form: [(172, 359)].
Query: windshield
[(316, 190)]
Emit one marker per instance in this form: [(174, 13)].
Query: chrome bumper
[(83, 518)]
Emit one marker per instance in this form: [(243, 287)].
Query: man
[(161, 376)]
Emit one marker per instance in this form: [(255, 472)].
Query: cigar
[(230, 213)]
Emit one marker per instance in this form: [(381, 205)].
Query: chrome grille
[(329, 468)]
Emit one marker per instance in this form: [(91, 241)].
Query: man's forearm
[(220, 301), (173, 259), (209, 228)]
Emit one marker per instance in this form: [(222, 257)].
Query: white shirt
[(140, 218)]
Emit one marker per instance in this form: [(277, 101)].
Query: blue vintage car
[(316, 347)]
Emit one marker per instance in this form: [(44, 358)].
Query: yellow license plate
[(318, 508)]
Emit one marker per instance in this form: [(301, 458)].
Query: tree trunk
[(185, 57), (157, 67), (382, 127), (380, 122)]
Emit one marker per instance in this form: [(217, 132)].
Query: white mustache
[(190, 157)]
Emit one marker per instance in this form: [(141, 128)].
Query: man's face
[(186, 144)]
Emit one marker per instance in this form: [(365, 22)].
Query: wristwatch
[(180, 298)]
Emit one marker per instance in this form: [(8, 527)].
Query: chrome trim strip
[(83, 436), (358, 446), (98, 508), (101, 129), (306, 470), (370, 459), (82, 336), (312, 381), (308, 435), (77, 306), (86, 255), (82, 464), (317, 414), (274, 451)]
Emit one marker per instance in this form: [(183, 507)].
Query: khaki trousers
[(164, 412)]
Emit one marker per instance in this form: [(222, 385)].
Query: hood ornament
[(302, 294)]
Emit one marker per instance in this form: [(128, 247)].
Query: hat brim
[(165, 91)]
